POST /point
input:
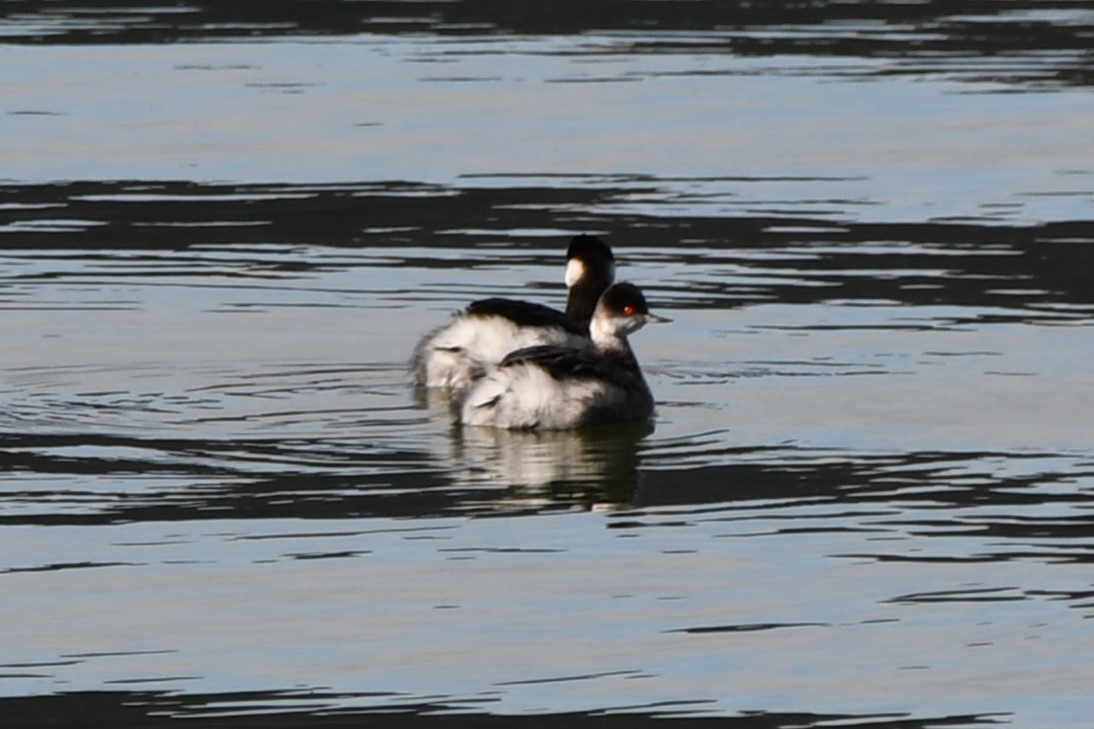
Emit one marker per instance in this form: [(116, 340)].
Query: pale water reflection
[(865, 499), (826, 148)]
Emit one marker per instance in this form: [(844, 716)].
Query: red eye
[(628, 310)]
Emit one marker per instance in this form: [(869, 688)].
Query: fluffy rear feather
[(457, 354)]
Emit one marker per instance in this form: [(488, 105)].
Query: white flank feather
[(466, 349), (527, 396)]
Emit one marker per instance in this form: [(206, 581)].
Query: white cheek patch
[(575, 271)]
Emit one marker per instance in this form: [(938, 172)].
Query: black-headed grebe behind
[(480, 336), (557, 388)]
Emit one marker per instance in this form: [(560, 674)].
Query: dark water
[(866, 499)]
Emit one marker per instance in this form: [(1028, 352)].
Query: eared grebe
[(478, 338), (557, 388)]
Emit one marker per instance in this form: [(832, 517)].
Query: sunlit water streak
[(387, 115)]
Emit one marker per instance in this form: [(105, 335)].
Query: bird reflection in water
[(592, 468)]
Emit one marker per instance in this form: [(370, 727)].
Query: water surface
[(866, 496)]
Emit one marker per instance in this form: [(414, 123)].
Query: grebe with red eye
[(454, 355), (558, 388)]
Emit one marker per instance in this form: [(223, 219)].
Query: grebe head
[(622, 310), (590, 268), (589, 260)]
